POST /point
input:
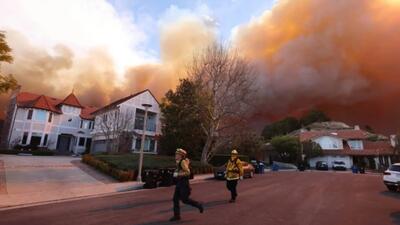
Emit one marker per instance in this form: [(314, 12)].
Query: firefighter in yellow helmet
[(182, 188), (234, 172)]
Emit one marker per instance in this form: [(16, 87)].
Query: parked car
[(321, 165), (391, 177), (248, 170), (338, 165)]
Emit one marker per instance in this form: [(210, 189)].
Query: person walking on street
[(182, 188), (234, 172)]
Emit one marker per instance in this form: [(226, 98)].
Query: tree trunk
[(204, 153)]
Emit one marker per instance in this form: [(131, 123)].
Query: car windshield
[(339, 162), (395, 168)]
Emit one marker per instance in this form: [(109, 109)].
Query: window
[(50, 117), (105, 117), (45, 139), (25, 138), (150, 123), (81, 124), (30, 113), (81, 141), (355, 144), (149, 144), (40, 115)]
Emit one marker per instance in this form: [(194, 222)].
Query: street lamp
[(146, 107)]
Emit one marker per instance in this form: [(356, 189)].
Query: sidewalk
[(33, 180)]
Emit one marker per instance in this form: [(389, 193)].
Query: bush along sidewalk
[(127, 173)]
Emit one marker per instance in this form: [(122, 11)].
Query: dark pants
[(182, 192), (231, 185)]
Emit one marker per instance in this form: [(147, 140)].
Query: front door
[(63, 143)]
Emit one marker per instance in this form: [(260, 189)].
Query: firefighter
[(182, 188), (234, 172)]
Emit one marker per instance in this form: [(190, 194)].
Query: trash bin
[(354, 169), (275, 167), (362, 169), (261, 167)]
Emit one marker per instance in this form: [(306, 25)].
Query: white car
[(391, 177), (338, 165)]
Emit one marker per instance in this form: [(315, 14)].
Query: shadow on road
[(162, 222), (130, 205), (207, 205), (395, 217), (391, 194)]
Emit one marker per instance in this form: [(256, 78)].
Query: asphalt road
[(298, 198)]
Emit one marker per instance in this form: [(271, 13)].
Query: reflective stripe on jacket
[(234, 169)]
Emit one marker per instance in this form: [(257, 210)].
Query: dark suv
[(321, 165)]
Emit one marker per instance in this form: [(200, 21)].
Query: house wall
[(329, 143), (68, 123), (128, 107), (348, 160)]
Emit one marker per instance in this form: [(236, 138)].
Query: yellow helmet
[(181, 152), (234, 152)]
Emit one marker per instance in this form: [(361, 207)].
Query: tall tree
[(313, 116), (181, 120), (281, 127), (226, 86), (7, 82), (288, 148)]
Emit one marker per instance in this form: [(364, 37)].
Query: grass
[(131, 161)]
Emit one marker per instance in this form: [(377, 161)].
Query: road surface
[(288, 198)]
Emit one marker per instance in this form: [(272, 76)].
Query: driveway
[(286, 198), (31, 179)]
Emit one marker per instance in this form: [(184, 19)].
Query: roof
[(342, 134), (31, 100), (71, 100), (371, 148), (121, 100)]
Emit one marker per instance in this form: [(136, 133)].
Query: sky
[(339, 56)]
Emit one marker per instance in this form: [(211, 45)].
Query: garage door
[(99, 146)]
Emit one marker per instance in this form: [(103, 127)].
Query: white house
[(128, 114), (351, 146), (39, 121)]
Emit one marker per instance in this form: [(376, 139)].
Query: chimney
[(356, 127), (393, 140)]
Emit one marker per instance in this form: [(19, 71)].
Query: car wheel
[(392, 188)]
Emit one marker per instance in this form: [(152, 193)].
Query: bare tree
[(116, 125), (226, 85)]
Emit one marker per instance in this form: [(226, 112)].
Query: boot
[(175, 218), (201, 208)]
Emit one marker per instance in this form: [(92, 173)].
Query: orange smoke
[(341, 56)]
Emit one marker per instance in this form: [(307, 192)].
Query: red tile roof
[(342, 134), (71, 100), (31, 100)]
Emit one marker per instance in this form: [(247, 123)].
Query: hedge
[(124, 167)]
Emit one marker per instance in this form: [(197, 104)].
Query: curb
[(118, 191)]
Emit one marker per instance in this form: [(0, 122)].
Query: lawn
[(131, 161)]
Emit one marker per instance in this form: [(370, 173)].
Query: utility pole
[(146, 107)]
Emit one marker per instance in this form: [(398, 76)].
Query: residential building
[(351, 146), (39, 121), (119, 125)]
